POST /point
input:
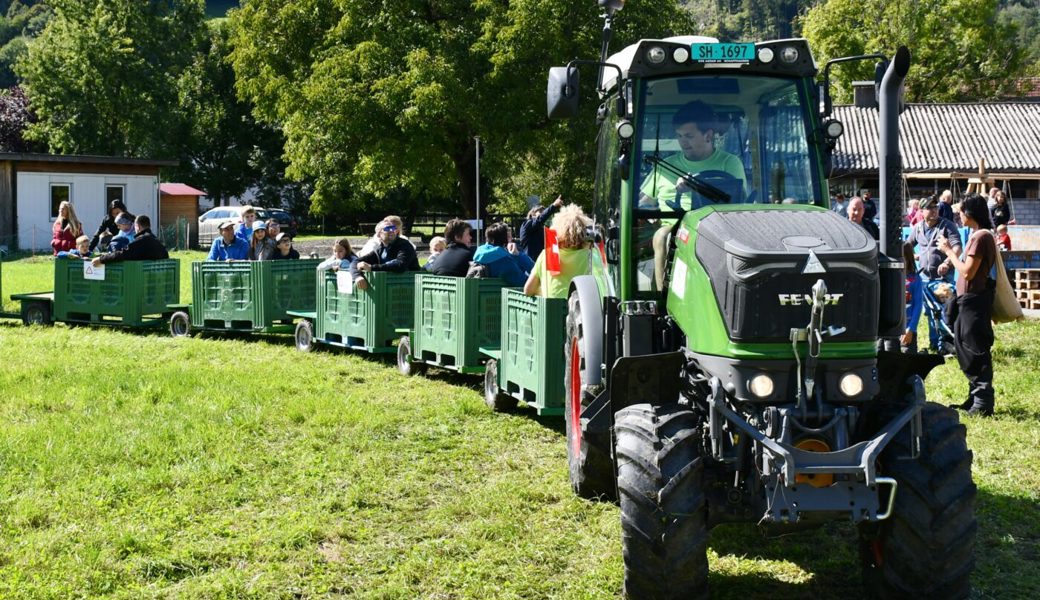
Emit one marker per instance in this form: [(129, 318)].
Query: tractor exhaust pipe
[(890, 193)]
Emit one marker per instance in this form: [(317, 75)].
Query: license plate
[(716, 53)]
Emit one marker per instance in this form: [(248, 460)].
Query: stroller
[(933, 311)]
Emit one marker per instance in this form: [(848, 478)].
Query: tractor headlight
[(789, 54), (680, 55), (655, 55), (851, 384), (765, 55), (761, 385)]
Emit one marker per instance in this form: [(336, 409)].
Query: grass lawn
[(135, 465)]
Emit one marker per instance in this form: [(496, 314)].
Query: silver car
[(212, 218)]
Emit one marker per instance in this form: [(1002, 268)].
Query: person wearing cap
[(260, 247), (144, 247), (228, 246), (125, 234), (108, 227), (393, 254), (283, 248), (933, 265), (245, 228)]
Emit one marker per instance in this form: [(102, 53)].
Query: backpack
[(477, 271)]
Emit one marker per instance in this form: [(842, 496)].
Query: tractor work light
[(761, 385), (851, 384), (833, 129), (789, 54), (765, 55), (625, 129), (655, 55), (680, 55)]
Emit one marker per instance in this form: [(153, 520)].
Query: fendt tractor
[(734, 362)]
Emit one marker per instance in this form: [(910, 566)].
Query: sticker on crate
[(344, 284), (91, 272)]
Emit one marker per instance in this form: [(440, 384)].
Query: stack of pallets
[(1027, 287)]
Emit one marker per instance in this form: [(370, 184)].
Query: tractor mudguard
[(654, 379), (896, 368), (591, 304)]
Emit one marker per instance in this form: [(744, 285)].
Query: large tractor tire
[(591, 468), (664, 517), (926, 548)]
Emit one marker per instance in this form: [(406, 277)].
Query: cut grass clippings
[(135, 465)]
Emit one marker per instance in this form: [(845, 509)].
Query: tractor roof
[(625, 57)]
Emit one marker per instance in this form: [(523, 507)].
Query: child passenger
[(571, 227), (260, 248), (284, 249), (125, 224), (342, 256), (82, 249), (437, 245)]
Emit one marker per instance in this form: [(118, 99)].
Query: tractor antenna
[(611, 7)]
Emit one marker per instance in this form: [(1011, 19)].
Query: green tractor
[(737, 359)]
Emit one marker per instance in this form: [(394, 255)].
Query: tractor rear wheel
[(591, 468), (926, 548), (664, 518), (493, 395)]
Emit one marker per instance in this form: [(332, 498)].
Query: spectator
[(972, 329), (913, 213), (394, 254), (66, 228), (283, 248), (456, 256), (502, 258), (856, 215), (840, 205), (991, 199), (946, 206), (914, 300), (260, 247), (1000, 214), (108, 228), (1003, 239), (228, 246), (144, 247), (245, 229), (342, 259), (125, 232), (869, 206), (932, 264), (532, 236), (82, 249), (572, 238)]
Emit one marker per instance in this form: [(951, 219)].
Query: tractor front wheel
[(664, 518), (926, 548)]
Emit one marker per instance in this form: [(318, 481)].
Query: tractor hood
[(762, 265)]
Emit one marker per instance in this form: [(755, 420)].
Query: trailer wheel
[(590, 466), (180, 324), (926, 549), (406, 366), (36, 313), (493, 395), (664, 518), (304, 336)]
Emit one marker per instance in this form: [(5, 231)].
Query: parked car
[(286, 220), (212, 218)]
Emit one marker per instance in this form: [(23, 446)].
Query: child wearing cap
[(260, 248), (283, 248), (125, 223)]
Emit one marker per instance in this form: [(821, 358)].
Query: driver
[(695, 128)]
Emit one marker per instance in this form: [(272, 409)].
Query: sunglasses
[(390, 228)]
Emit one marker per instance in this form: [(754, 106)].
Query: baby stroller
[(933, 303)]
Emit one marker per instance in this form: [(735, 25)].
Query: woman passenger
[(66, 229), (571, 227)]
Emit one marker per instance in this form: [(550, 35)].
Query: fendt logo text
[(806, 299)]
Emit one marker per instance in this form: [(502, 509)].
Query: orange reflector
[(819, 480)]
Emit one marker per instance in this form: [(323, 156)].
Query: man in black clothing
[(456, 257), (108, 227), (856, 216), (532, 236), (869, 206), (144, 247), (393, 254)]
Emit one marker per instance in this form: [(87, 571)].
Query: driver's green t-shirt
[(660, 183)]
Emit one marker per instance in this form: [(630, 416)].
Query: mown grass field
[(134, 465)]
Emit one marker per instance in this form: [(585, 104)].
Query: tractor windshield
[(709, 139)]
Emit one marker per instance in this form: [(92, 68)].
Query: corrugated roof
[(944, 138), (179, 189), (84, 158)]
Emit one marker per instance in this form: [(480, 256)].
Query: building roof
[(88, 159), (945, 138), (179, 189)]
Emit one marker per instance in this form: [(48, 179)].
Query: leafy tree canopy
[(379, 96), (958, 51)]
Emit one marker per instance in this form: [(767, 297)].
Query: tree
[(15, 117), (958, 52), (102, 74), (378, 97)]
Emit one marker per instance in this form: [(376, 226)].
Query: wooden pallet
[(1029, 298), (1027, 279)]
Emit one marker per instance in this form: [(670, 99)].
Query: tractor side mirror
[(562, 93)]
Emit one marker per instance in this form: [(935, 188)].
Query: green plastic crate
[(133, 293), (532, 361), (454, 318), (366, 319), (250, 295)]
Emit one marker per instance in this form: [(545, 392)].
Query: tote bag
[(1005, 305)]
